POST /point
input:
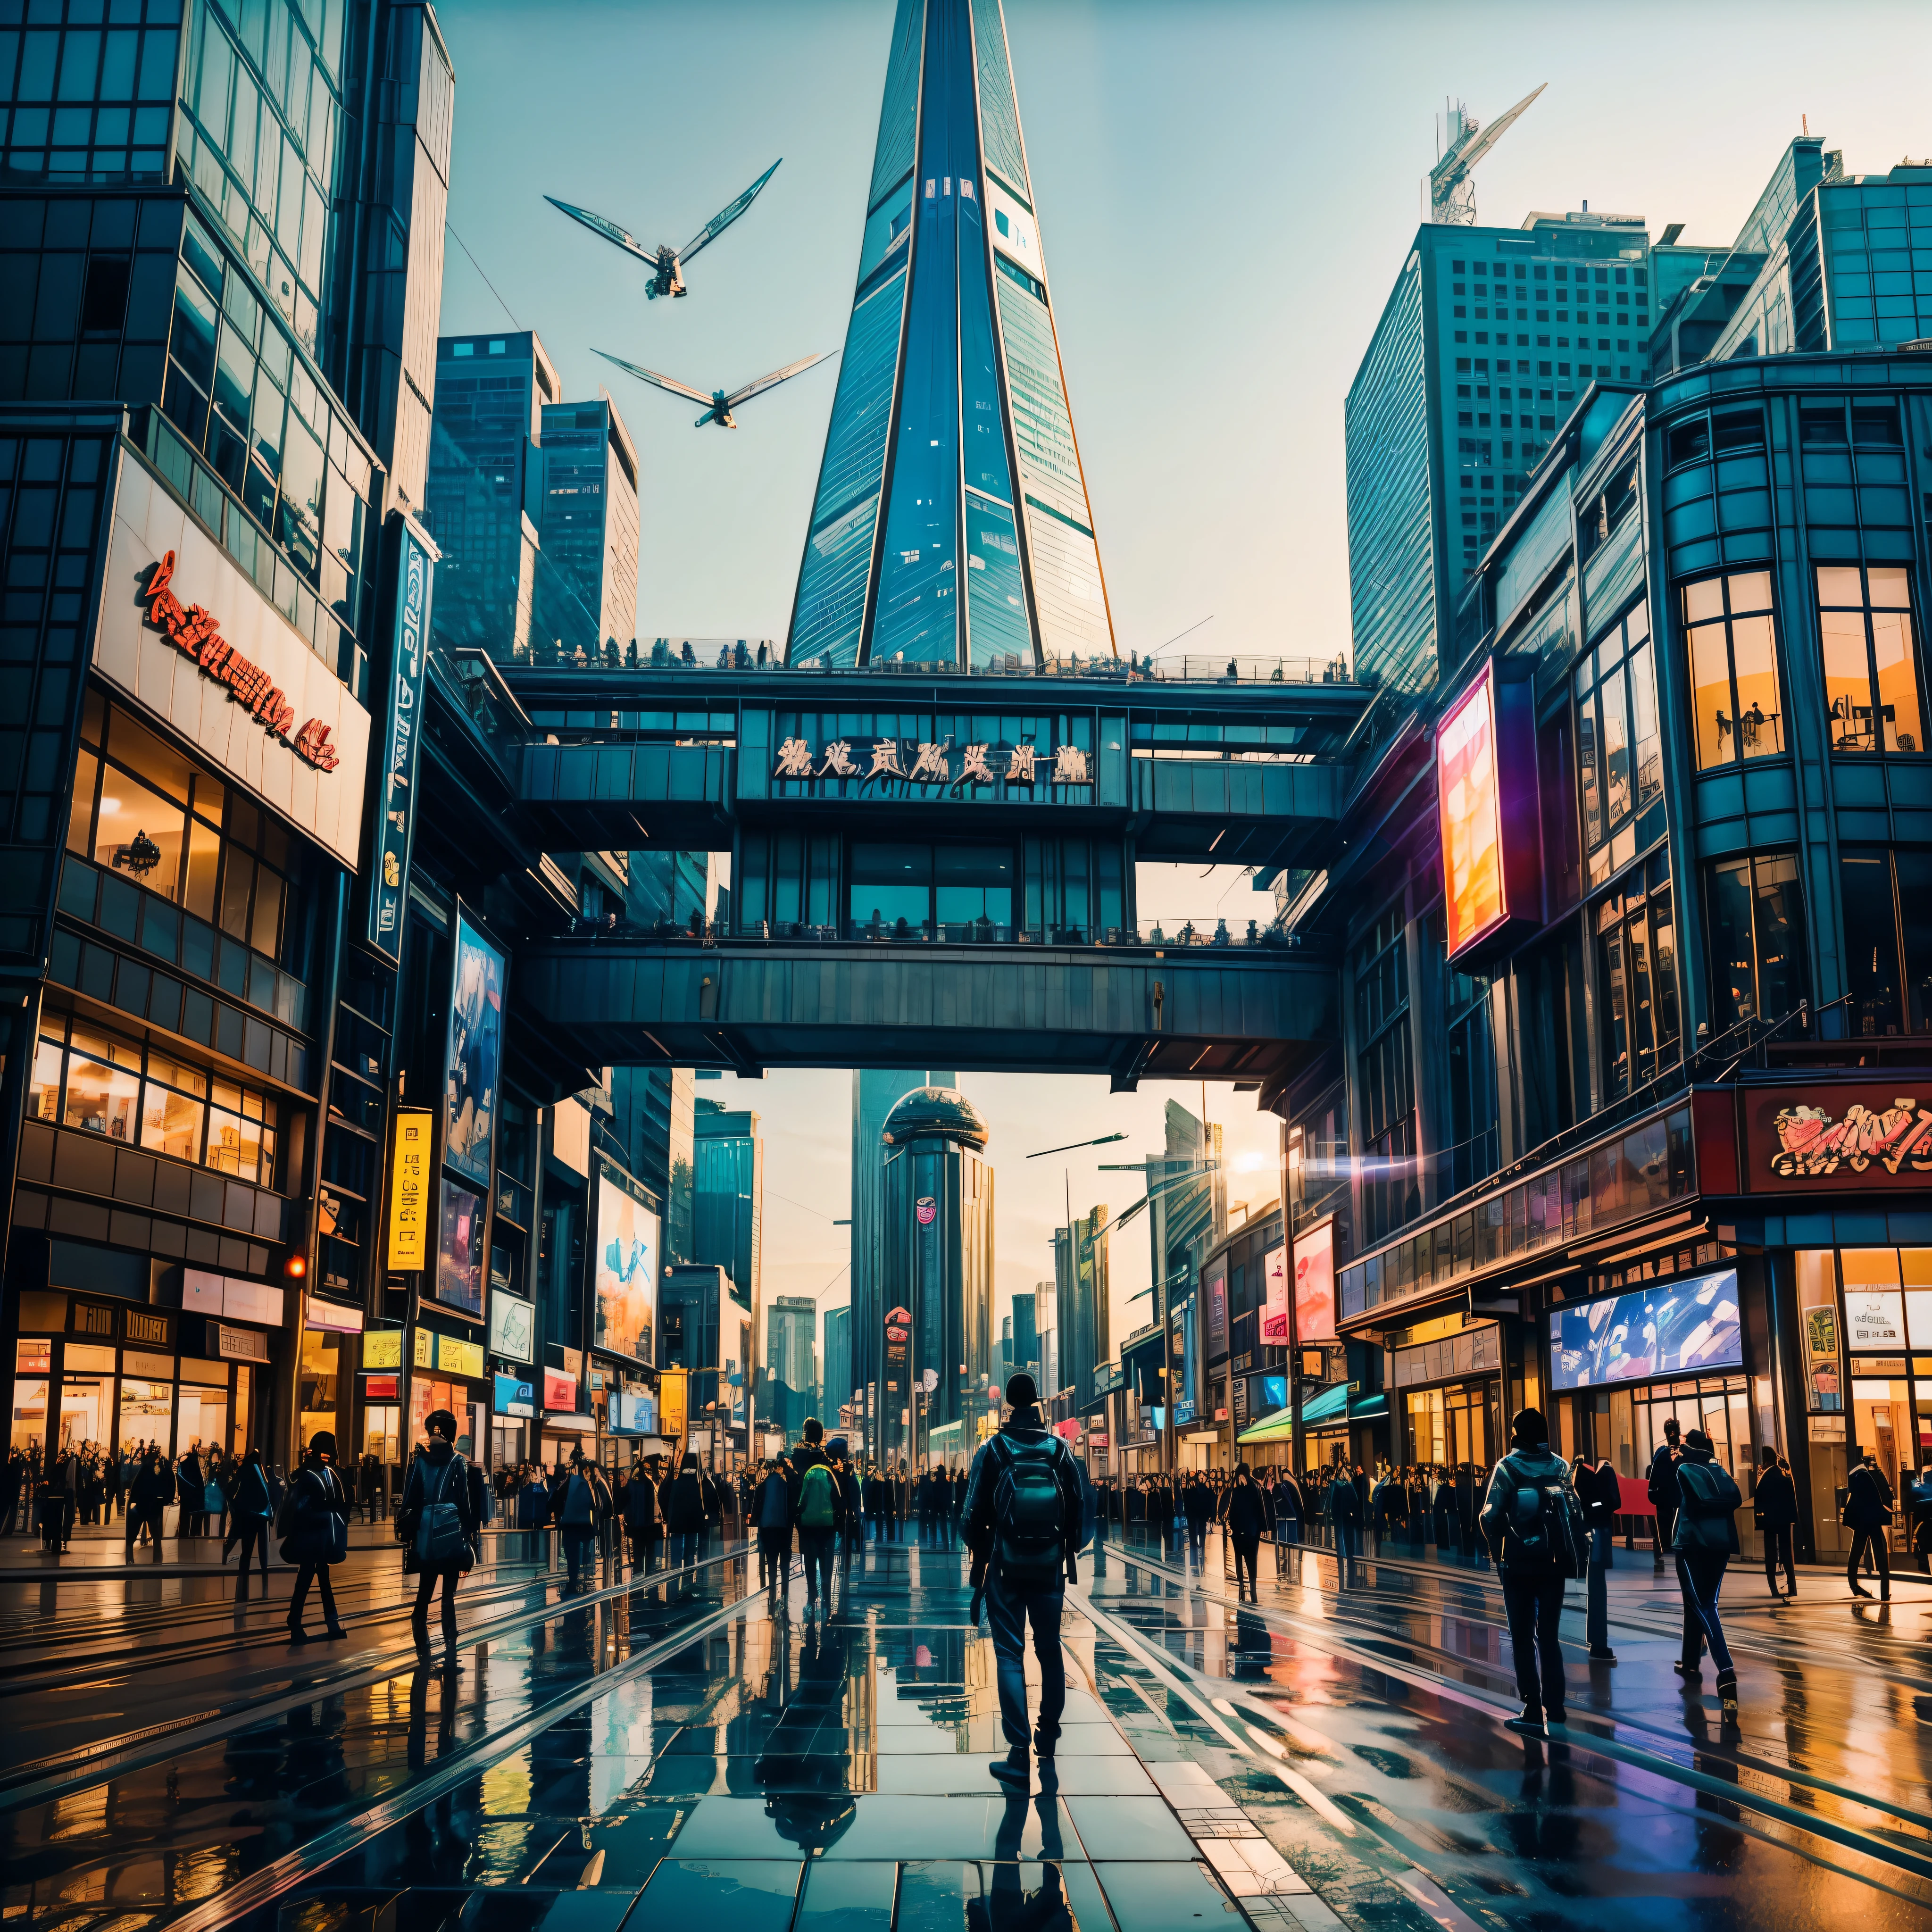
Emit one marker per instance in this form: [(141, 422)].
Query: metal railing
[(1220, 937), (766, 655)]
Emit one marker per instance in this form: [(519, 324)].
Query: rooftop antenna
[(1452, 187)]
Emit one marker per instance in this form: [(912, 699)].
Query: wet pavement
[(684, 1748)]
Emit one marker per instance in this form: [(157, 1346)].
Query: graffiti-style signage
[(920, 763), (409, 661), (1839, 1138), (194, 633)]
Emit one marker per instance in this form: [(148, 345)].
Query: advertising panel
[(1486, 809), (1274, 1307), (626, 1288), (459, 1260), (513, 1328), (1842, 1137), (195, 642), (514, 1397), (475, 1054), (396, 776), (1314, 1283), (410, 1147), (560, 1392), (1216, 1284), (456, 1358), (1667, 1328), (383, 1348), (671, 1393), (634, 1413)]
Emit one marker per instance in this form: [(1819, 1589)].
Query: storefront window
[(201, 1419), (1733, 651), (87, 1078), (318, 1389), (147, 1415)]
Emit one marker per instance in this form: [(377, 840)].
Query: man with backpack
[(438, 1525), (771, 1512), (819, 1507), (1023, 1522), (313, 1522), (1662, 1489), (1534, 1525)]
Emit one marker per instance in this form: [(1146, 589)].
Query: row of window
[(1870, 664), (1526, 271), (86, 1077), (77, 96)]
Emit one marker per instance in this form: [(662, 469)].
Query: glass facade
[(951, 409), (89, 84)]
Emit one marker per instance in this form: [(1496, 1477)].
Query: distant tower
[(938, 1267), (952, 405)]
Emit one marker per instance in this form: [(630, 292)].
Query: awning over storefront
[(1333, 1408), (1276, 1428)]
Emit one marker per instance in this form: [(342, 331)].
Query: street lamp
[(1071, 1145)]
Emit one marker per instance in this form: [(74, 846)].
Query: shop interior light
[(294, 1267)]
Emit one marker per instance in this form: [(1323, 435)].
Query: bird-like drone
[(667, 263), (719, 404)]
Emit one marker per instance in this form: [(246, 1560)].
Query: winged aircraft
[(719, 404), (665, 263)]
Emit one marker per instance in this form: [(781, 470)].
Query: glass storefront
[(1447, 1374), (69, 1394)]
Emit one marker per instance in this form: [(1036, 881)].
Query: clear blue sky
[(1226, 192)]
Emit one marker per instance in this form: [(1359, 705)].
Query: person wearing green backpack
[(820, 1511)]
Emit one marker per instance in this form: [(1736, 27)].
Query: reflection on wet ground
[(678, 1751)]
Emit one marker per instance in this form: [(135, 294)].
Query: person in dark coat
[(1774, 1503), (151, 1491), (1601, 1495), (1868, 1501), (1704, 1534), (1248, 1520), (771, 1506), (437, 1475), (581, 1504), (193, 1494), (1196, 1508), (318, 1528), (687, 1510), (1345, 1516), (852, 1533), (642, 1523), (249, 1510), (1662, 1486)]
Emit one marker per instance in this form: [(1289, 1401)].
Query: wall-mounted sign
[(941, 762), (204, 1294), (560, 1392), (459, 1260), (335, 1315), (396, 776), (513, 1396), (457, 1357), (1666, 1328), (672, 1389), (1314, 1283), (239, 1345), (1839, 1138), (383, 1348), (411, 1146), (474, 1052), (1274, 1308), (513, 1328), (145, 1329), (1485, 806), (195, 633), (624, 1291)]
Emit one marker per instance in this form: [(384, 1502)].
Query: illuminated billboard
[(1486, 805), (475, 1052), (1314, 1283), (626, 1287), (459, 1260), (1274, 1308), (1664, 1328)]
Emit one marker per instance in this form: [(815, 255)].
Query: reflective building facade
[(951, 523)]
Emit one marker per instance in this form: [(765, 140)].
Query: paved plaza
[(680, 1750)]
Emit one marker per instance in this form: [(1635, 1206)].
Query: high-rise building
[(728, 1193), (951, 524), (1080, 1288), (937, 1266), (1487, 339), (651, 1109), (589, 527), (834, 1366), (1046, 1316), (791, 1376), (875, 1093), (1185, 1216), (1024, 1353)]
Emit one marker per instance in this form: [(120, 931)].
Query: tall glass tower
[(951, 524)]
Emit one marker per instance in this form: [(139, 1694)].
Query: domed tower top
[(941, 1110)]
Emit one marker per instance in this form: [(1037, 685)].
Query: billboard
[(395, 779), (514, 1397), (1314, 1283), (1274, 1307), (672, 1389), (560, 1392), (1486, 807), (634, 1413), (513, 1327), (625, 1288), (459, 1258), (475, 1052), (409, 1189), (1664, 1328), (1840, 1137)]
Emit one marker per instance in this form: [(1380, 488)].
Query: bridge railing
[(1187, 935), (766, 655)]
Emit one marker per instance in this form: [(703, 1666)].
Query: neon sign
[(921, 763), (193, 632)]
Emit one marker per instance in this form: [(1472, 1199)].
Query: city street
[(666, 1748)]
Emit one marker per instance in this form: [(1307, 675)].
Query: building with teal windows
[(1487, 339), (951, 524)]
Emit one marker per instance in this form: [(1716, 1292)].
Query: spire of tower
[(951, 524)]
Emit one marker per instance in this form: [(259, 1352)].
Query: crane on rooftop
[(1452, 186)]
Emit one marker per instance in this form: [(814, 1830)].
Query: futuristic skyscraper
[(951, 524)]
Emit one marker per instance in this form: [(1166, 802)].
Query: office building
[(875, 1093), (1082, 1318), (1023, 1339), (937, 1267), (951, 524), (1487, 338), (834, 1367), (787, 1388), (589, 527), (728, 1192)]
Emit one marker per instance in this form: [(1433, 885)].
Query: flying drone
[(718, 405), (666, 262)]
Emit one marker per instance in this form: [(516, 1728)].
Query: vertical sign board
[(1274, 1310), (671, 1404), (1314, 1283), (411, 1150), (396, 776), (1485, 802)]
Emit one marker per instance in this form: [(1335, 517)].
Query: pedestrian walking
[(641, 1522), (1601, 1495), (1533, 1526), (149, 1496), (249, 1510), (438, 1526), (1196, 1506), (852, 1524), (1867, 1511), (581, 1505), (1023, 1520), (687, 1512), (1705, 1536), (1663, 1489), (1774, 1504), (1247, 1520), (314, 1523), (1345, 1518), (818, 1503), (772, 1515)]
